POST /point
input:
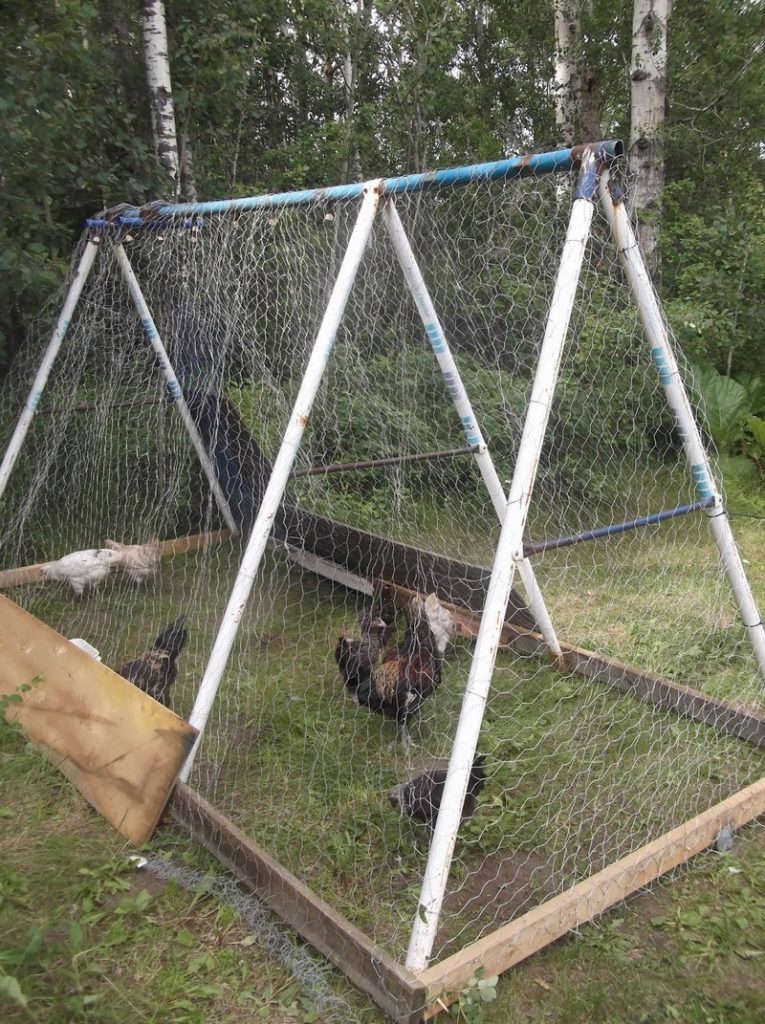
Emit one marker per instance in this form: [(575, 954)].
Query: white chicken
[(82, 569), (139, 562)]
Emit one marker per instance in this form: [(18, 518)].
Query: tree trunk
[(590, 106), (648, 104), (566, 76), (356, 39), (160, 90), (188, 181)]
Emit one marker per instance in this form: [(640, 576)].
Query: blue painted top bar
[(557, 161)]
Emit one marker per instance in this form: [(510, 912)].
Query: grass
[(578, 776)]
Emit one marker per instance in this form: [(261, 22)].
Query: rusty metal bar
[(135, 403), (390, 460)]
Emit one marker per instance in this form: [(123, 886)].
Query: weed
[(471, 1005)]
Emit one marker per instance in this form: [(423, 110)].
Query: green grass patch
[(578, 776)]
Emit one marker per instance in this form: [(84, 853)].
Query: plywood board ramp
[(119, 747)]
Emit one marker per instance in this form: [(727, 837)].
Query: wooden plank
[(539, 927), (167, 548), (329, 571), (742, 722), (363, 962), (119, 747), (374, 557), (18, 577), (194, 542)]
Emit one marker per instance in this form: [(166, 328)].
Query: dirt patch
[(505, 886)]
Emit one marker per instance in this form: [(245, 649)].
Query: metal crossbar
[(555, 162), (389, 460), (536, 547)]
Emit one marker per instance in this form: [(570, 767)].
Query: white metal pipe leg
[(458, 392), (677, 398), (41, 379), (277, 484), (508, 555), (176, 392)]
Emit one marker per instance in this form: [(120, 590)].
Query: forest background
[(285, 94)]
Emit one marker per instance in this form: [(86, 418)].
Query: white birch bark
[(648, 102), (160, 89), (186, 168), (566, 74)]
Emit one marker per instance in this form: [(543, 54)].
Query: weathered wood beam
[(167, 548), (539, 927), (365, 964), (742, 722), (375, 557)]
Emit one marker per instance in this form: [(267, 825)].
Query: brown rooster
[(410, 672), (421, 798), (155, 671)]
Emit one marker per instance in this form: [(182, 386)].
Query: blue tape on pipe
[(512, 167), (436, 337), (702, 480)]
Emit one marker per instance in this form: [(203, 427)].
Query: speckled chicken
[(155, 671), (410, 672), (139, 562), (357, 657), (82, 569), (421, 798)]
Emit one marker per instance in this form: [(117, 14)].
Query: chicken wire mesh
[(576, 775)]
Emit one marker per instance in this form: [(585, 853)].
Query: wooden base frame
[(405, 997), (408, 998)]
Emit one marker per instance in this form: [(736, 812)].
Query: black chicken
[(384, 606), (410, 672), (357, 658), (421, 798), (156, 671)]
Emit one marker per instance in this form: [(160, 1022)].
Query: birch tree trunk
[(161, 106), (566, 74), (186, 167), (648, 103)]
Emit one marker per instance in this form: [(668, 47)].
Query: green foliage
[(714, 264), (471, 1005), (70, 147), (727, 406), (733, 417)]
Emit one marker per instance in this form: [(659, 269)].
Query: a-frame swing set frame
[(407, 991)]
